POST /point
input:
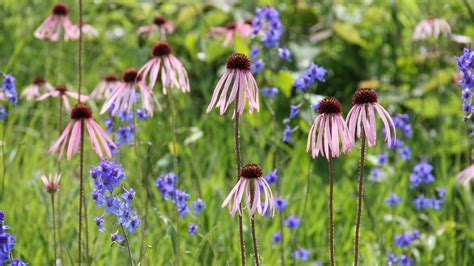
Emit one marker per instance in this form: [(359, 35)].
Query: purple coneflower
[(251, 178), (330, 128), (466, 175), (81, 115), (173, 73), (243, 86), (63, 92), (361, 117), (160, 24), (361, 121), (33, 91), (88, 30), (124, 96), (243, 29), (105, 87), (431, 27), (51, 183), (57, 23)]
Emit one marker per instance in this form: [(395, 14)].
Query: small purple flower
[(192, 229), (422, 203), (198, 205), (284, 53), (129, 195), (269, 92), (3, 112), (280, 204), (99, 221), (405, 260), (301, 254), (257, 66), (115, 237), (405, 239), (276, 238), (272, 176), (18, 262), (287, 134), (392, 259), (441, 192), (383, 158), (392, 200), (294, 110), (292, 222), (142, 114), (405, 153), (315, 106)]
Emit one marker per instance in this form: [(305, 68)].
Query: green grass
[(386, 57)]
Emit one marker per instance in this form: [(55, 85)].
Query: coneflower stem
[(331, 208), (128, 245), (81, 194), (54, 230), (175, 170), (359, 197), (60, 128), (252, 221), (237, 163)]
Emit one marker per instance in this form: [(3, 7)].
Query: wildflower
[(405, 153), (3, 112), (441, 192), (109, 124), (115, 237), (405, 239), (431, 28), (287, 134), (383, 158), (7, 242), (33, 91), (301, 254), (124, 96), (312, 74), (51, 183), (405, 260), (88, 30), (392, 200), (402, 122), (81, 115), (251, 177), (284, 53), (129, 195), (466, 66), (269, 92), (99, 221), (105, 87), (124, 135), (276, 238), (361, 117), (18, 262), (173, 73), (198, 206), (56, 24), (280, 204), (267, 25), (8, 89), (142, 114), (160, 24), (272, 176), (192, 229), (243, 87), (392, 259), (294, 111), (421, 174), (422, 203), (292, 222), (376, 175), (257, 66), (243, 29), (331, 129), (63, 92)]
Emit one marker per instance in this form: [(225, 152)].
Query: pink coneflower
[(362, 116), (466, 175), (431, 27), (243, 86), (63, 92), (250, 181), (81, 115), (330, 129), (57, 23), (172, 71), (51, 183), (160, 24), (105, 87), (89, 31), (33, 91), (243, 29), (124, 96)]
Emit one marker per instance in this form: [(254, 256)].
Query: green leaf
[(285, 81), (349, 33)]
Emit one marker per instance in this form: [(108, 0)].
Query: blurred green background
[(368, 43)]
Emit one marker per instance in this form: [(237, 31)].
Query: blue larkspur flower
[(192, 228), (287, 134), (198, 206), (294, 111), (269, 92), (142, 114), (284, 53), (301, 254), (276, 238), (407, 238), (115, 237), (392, 200), (280, 203), (292, 222), (383, 158), (99, 221), (125, 134), (18, 262), (405, 153), (267, 22)]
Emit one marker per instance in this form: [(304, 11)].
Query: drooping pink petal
[(74, 139), (94, 141), (61, 139)]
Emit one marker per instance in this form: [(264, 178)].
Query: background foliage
[(367, 44)]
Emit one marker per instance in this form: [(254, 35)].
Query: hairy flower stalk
[(327, 131), (361, 123), (51, 185)]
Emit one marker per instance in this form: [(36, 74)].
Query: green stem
[(128, 245), (252, 221), (81, 195), (175, 170), (54, 230), (60, 121), (331, 208), (360, 197)]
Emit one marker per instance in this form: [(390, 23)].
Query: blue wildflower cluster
[(125, 130), (107, 176), (267, 24), (301, 254), (312, 74), (257, 63), (269, 92), (8, 92), (288, 131), (403, 240), (7, 243), (166, 184), (422, 174), (403, 125), (466, 66), (403, 260)]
